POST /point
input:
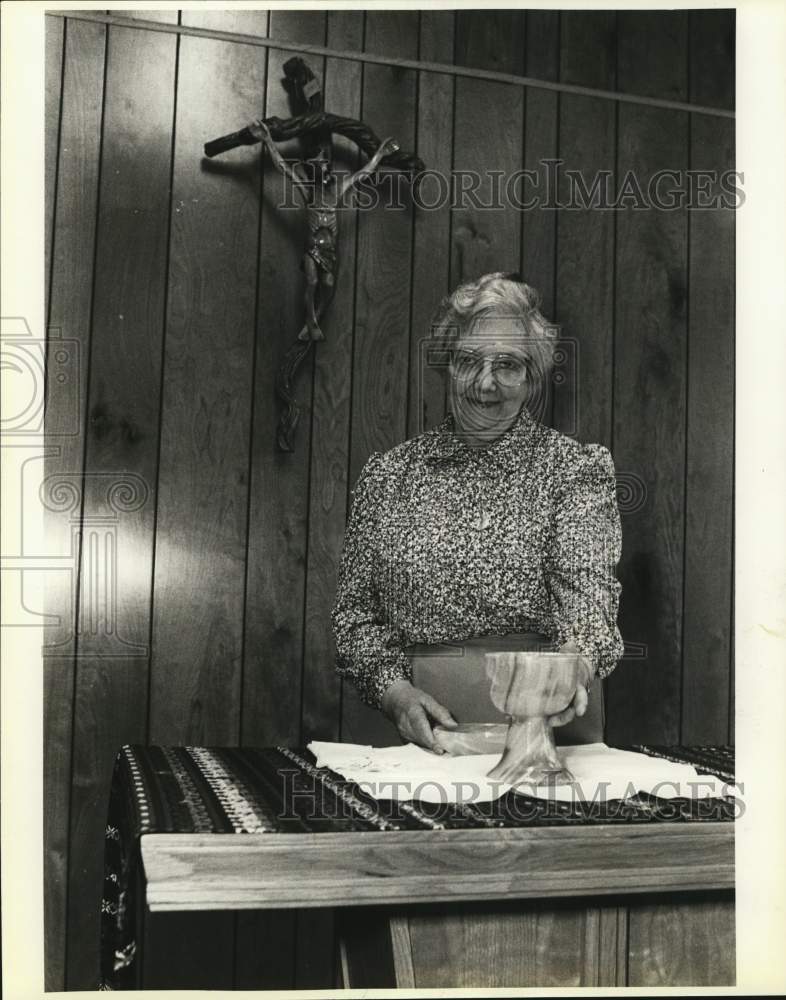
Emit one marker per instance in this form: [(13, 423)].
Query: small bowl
[(471, 738)]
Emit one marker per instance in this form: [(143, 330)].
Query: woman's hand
[(409, 709), (578, 705)]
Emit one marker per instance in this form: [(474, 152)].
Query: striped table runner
[(226, 790)]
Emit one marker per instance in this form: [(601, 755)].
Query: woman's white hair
[(498, 294)]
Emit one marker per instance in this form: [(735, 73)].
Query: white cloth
[(601, 773)]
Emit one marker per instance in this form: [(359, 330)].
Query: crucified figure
[(313, 179), (316, 184)]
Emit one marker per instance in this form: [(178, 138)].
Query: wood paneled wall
[(177, 282)]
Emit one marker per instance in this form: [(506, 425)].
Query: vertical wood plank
[(649, 385), (379, 403), (509, 945), (330, 432), (121, 454), (187, 951), (431, 264), (316, 945), (54, 40), (713, 80), (273, 948), (367, 957), (712, 70), (682, 944), (541, 143), (278, 529), (652, 54), (202, 500), (202, 489), (488, 146), (383, 274), (265, 950), (709, 496), (401, 946), (612, 936), (321, 696), (588, 48), (585, 261), (69, 330), (491, 39)]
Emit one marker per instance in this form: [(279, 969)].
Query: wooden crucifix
[(313, 178)]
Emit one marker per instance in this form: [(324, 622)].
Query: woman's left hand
[(578, 705)]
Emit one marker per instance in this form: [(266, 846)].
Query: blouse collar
[(507, 450)]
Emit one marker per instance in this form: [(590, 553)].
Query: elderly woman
[(489, 525)]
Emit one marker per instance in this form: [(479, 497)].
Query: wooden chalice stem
[(528, 688), (530, 755)]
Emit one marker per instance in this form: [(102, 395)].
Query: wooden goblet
[(529, 687)]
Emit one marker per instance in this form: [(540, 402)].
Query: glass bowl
[(471, 738)]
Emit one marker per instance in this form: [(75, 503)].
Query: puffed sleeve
[(585, 548), (369, 652)]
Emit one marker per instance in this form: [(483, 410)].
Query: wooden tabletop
[(258, 871)]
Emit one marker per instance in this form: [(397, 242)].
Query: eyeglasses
[(507, 369)]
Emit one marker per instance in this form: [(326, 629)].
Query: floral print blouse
[(445, 542)]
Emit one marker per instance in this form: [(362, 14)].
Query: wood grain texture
[(712, 78), (541, 144), (508, 945), (491, 40), (121, 454), (293, 870), (401, 941), (585, 258), (366, 948), (652, 53), (649, 400), (70, 306), (266, 950), (331, 424), (203, 474), (278, 515), (383, 274), (541, 149), (541, 943), (265, 675), (612, 944), (588, 48), (430, 263), (712, 57), (707, 673), (488, 143), (188, 951), (279, 547), (679, 943), (54, 40), (383, 277), (163, 955)]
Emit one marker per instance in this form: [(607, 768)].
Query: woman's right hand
[(409, 709)]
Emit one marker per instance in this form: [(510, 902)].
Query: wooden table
[(638, 894), (600, 905)]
